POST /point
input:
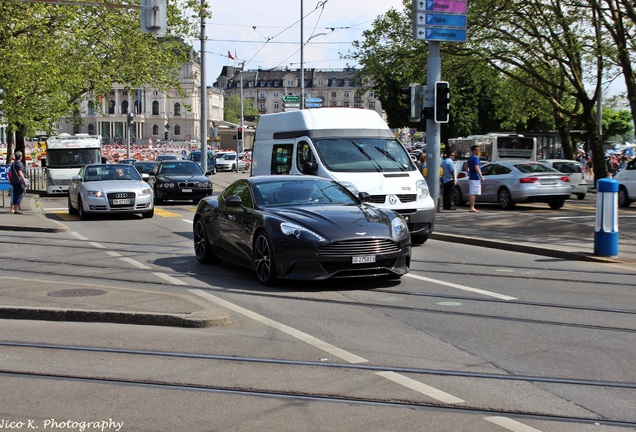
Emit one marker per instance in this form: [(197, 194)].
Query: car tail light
[(528, 179), (461, 175), (565, 179)]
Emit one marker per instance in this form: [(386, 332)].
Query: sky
[(266, 33)]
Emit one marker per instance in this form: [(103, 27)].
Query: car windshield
[(229, 157), (144, 167), (364, 155), (568, 167), (111, 172), (180, 168), (530, 168), (302, 192)]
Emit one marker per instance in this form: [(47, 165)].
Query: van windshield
[(364, 155)]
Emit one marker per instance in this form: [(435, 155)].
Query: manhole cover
[(77, 293)]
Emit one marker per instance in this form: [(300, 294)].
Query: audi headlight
[(422, 189), (294, 230), (145, 192), (97, 193), (399, 229)]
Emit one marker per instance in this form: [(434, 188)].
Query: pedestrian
[(19, 183), (475, 179), (421, 163), (449, 179)]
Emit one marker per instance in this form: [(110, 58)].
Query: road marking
[(462, 287), (304, 337), (186, 220), (420, 387), (113, 254), (510, 424), (78, 236), (135, 263), (169, 278), (166, 213)]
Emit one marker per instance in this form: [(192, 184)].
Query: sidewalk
[(551, 236)]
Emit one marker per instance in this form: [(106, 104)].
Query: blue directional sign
[(313, 105), (439, 20), (444, 34), (445, 20), (314, 100)]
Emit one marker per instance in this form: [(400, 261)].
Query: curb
[(198, 319)]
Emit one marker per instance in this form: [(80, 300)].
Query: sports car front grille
[(360, 247)]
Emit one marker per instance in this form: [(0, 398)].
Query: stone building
[(152, 110), (324, 88)]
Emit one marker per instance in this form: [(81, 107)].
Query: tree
[(232, 109), (53, 56)]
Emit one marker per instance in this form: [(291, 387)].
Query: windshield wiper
[(391, 158), (378, 167)]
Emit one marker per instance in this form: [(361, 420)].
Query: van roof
[(322, 123)]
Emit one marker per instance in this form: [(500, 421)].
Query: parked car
[(512, 182), (127, 161), (168, 157), (626, 179), (179, 180), (573, 169), (229, 162), (145, 168), (211, 165), (109, 188), (300, 227)]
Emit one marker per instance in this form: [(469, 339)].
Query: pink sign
[(446, 6)]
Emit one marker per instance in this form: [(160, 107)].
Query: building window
[(276, 105), (155, 93), (111, 107), (177, 129), (91, 107), (155, 130), (321, 83), (290, 83), (262, 106), (125, 93), (91, 129), (333, 94), (155, 108), (346, 94), (138, 107), (276, 94), (177, 109), (124, 107), (371, 105), (112, 92)]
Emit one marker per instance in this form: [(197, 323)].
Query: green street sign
[(291, 99)]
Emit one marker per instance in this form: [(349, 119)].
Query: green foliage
[(617, 125), (232, 109)]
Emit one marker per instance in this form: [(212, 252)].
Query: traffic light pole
[(433, 135), (204, 96)]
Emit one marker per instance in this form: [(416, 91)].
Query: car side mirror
[(234, 201), (76, 178), (364, 196)]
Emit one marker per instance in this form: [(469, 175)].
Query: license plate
[(121, 201), (186, 190), (363, 259), (548, 182)]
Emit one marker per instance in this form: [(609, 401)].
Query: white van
[(352, 146)]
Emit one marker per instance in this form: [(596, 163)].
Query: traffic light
[(129, 117), (442, 101), (166, 136), (153, 16), (412, 97), (239, 134)]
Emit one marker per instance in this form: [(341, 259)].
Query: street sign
[(439, 20), (313, 100), (291, 98), (313, 105), (440, 34), (292, 105)]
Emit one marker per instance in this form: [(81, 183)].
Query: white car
[(626, 179), (573, 169), (109, 188), (229, 162)]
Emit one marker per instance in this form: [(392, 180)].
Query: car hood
[(182, 177), (336, 222), (116, 185)]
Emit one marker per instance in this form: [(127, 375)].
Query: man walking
[(475, 179), (449, 179)]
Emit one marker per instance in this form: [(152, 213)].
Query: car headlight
[(293, 230), (166, 185), (96, 193), (204, 184), (422, 189), (145, 192), (352, 188), (399, 229)]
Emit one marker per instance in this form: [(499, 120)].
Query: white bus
[(65, 155), (496, 147)]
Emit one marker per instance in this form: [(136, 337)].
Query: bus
[(496, 147), (65, 155)]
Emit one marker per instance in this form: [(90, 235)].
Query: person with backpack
[(19, 183)]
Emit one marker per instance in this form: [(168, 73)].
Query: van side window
[(305, 159), (282, 158)]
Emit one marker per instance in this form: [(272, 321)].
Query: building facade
[(322, 88), (154, 112)]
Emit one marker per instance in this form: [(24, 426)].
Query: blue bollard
[(606, 225)]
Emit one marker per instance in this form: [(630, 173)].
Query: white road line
[(420, 387), (137, 264), (113, 254), (187, 220), (510, 424), (97, 245), (304, 337), (462, 287), (78, 236), (170, 279)]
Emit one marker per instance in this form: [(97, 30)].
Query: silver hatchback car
[(573, 170), (511, 182)]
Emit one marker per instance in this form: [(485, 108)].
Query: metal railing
[(37, 179)]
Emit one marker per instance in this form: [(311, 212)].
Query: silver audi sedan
[(512, 182), (109, 188)]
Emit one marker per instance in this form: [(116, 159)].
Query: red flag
[(229, 55)]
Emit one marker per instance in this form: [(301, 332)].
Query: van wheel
[(419, 239)]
